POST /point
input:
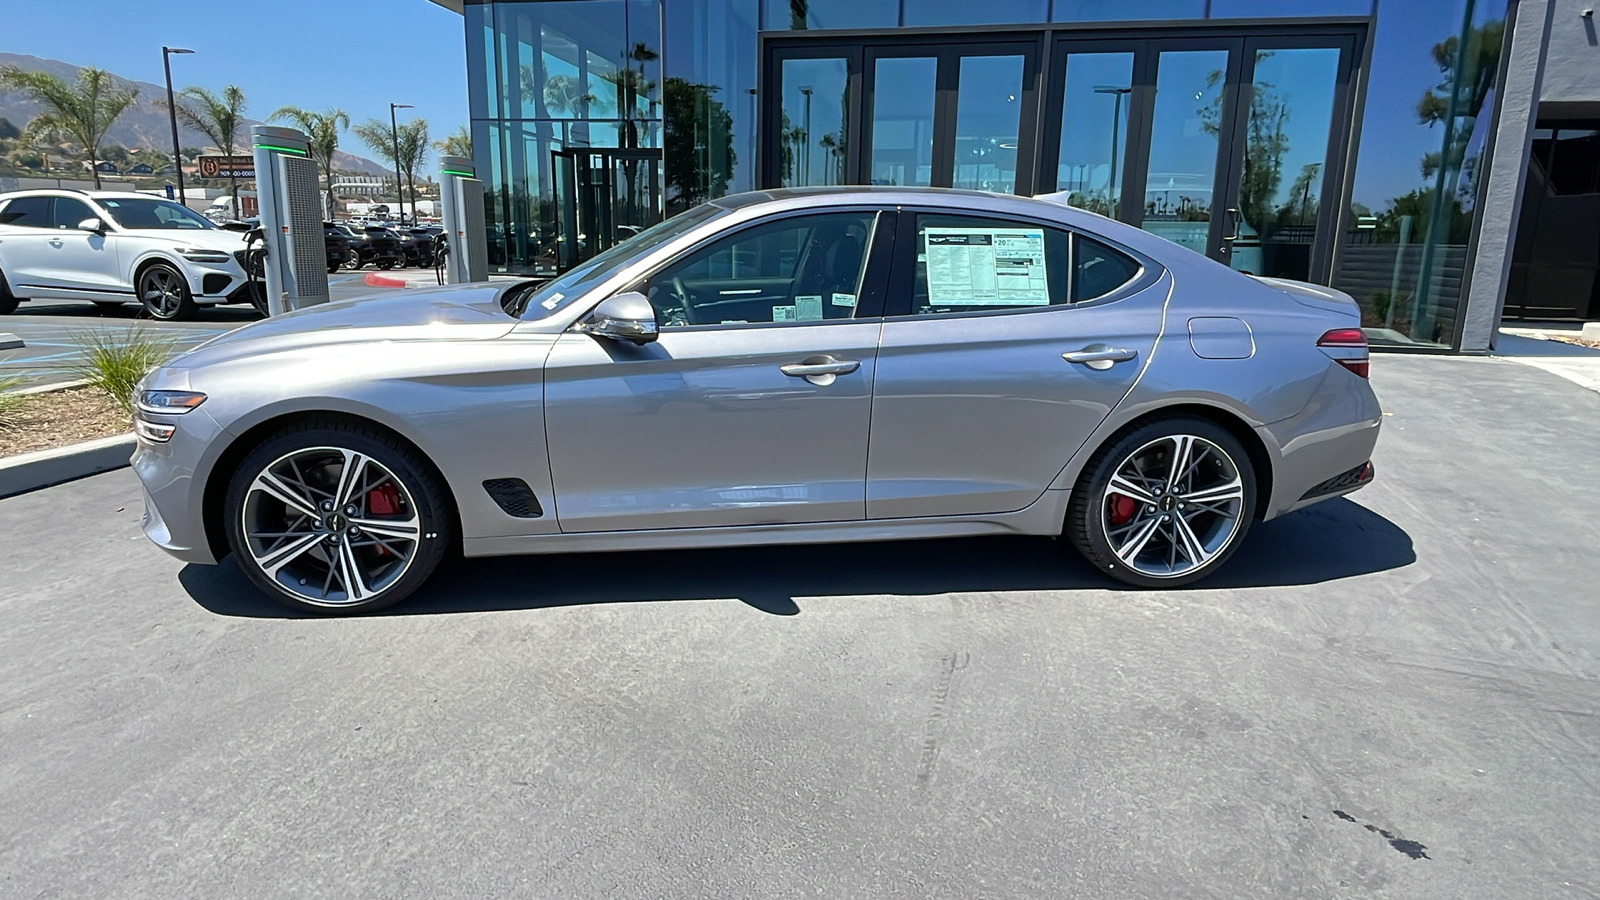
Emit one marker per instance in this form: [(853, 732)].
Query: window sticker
[(986, 267), (783, 314), (808, 307), (554, 301), (844, 300)]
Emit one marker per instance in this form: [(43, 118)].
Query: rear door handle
[(55, 242), (821, 370), (1099, 356)]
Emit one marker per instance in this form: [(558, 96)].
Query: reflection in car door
[(975, 409), (81, 262), (759, 422)]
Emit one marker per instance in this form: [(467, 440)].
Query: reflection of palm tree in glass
[(831, 144)]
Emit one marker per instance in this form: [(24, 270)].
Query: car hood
[(204, 239), (452, 312)]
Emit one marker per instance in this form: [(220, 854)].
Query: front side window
[(154, 213), (69, 212), (798, 269), (27, 212)]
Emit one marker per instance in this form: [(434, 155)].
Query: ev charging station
[(461, 195), (291, 219)]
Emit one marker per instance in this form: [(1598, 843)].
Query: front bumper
[(174, 495), (214, 282)]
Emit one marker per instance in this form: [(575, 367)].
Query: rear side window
[(975, 264), (1098, 270), (28, 212)]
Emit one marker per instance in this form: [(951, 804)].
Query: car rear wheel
[(333, 268), (1164, 504), (386, 264), (337, 518), (354, 262), (165, 293)]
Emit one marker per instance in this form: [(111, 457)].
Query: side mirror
[(93, 226), (625, 317)]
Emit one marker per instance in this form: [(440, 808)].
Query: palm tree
[(457, 144), (83, 111), (323, 129), (413, 140), (219, 119)]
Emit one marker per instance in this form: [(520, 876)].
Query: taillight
[(1348, 348)]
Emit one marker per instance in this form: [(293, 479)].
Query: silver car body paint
[(951, 425)]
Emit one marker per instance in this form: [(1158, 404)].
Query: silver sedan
[(782, 367)]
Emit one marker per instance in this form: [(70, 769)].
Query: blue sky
[(359, 55)]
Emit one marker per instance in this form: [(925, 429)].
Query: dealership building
[(1437, 159)]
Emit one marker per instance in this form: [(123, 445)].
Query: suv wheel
[(1165, 504), (165, 293), (335, 517)]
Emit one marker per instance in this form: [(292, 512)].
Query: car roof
[(79, 192)]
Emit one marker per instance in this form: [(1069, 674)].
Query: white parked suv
[(112, 248)]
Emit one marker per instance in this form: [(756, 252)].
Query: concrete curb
[(53, 387), (43, 468), (373, 279)]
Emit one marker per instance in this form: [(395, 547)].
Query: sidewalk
[(1532, 347)]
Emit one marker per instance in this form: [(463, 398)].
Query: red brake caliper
[(1122, 509), (383, 500)]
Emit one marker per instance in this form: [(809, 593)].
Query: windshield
[(541, 301), (153, 213)]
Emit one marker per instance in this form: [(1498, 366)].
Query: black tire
[(8, 302), (164, 293), (333, 268), (353, 263), (420, 491), (1096, 518), (386, 264)]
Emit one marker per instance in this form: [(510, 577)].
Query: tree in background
[(457, 144), (412, 137), (323, 129), (84, 111), (699, 138), (219, 119)]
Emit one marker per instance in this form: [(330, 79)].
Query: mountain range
[(145, 124)]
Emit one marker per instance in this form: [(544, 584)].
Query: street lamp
[(172, 111), (807, 149), (394, 131), (1116, 127)]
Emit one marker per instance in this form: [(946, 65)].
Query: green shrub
[(11, 403), (114, 363)]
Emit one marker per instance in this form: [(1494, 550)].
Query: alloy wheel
[(330, 526), (1173, 506), (162, 291)]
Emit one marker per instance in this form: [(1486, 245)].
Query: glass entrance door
[(1225, 145), (940, 114), (602, 196)]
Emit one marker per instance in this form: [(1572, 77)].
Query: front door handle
[(55, 242), (1099, 356), (820, 370)]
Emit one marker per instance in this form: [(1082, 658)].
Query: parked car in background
[(419, 245), (114, 248), (1022, 367), (337, 243), (376, 246)]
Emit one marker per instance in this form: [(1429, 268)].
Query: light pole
[(394, 131), (807, 129), (1116, 135), (172, 111)]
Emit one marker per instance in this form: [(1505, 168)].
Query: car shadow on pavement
[(1333, 540)]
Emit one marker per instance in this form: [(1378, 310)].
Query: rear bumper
[(1323, 450)]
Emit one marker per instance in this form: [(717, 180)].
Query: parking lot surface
[(54, 329), (1392, 695)]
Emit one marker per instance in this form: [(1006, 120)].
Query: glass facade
[(1332, 140)]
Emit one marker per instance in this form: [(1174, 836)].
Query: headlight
[(204, 256), (169, 403)]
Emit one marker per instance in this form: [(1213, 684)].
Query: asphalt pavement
[(54, 330), (1391, 695)]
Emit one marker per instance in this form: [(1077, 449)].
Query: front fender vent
[(515, 497)]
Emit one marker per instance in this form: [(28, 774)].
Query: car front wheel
[(8, 303), (165, 293), (337, 518), (1165, 504)]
